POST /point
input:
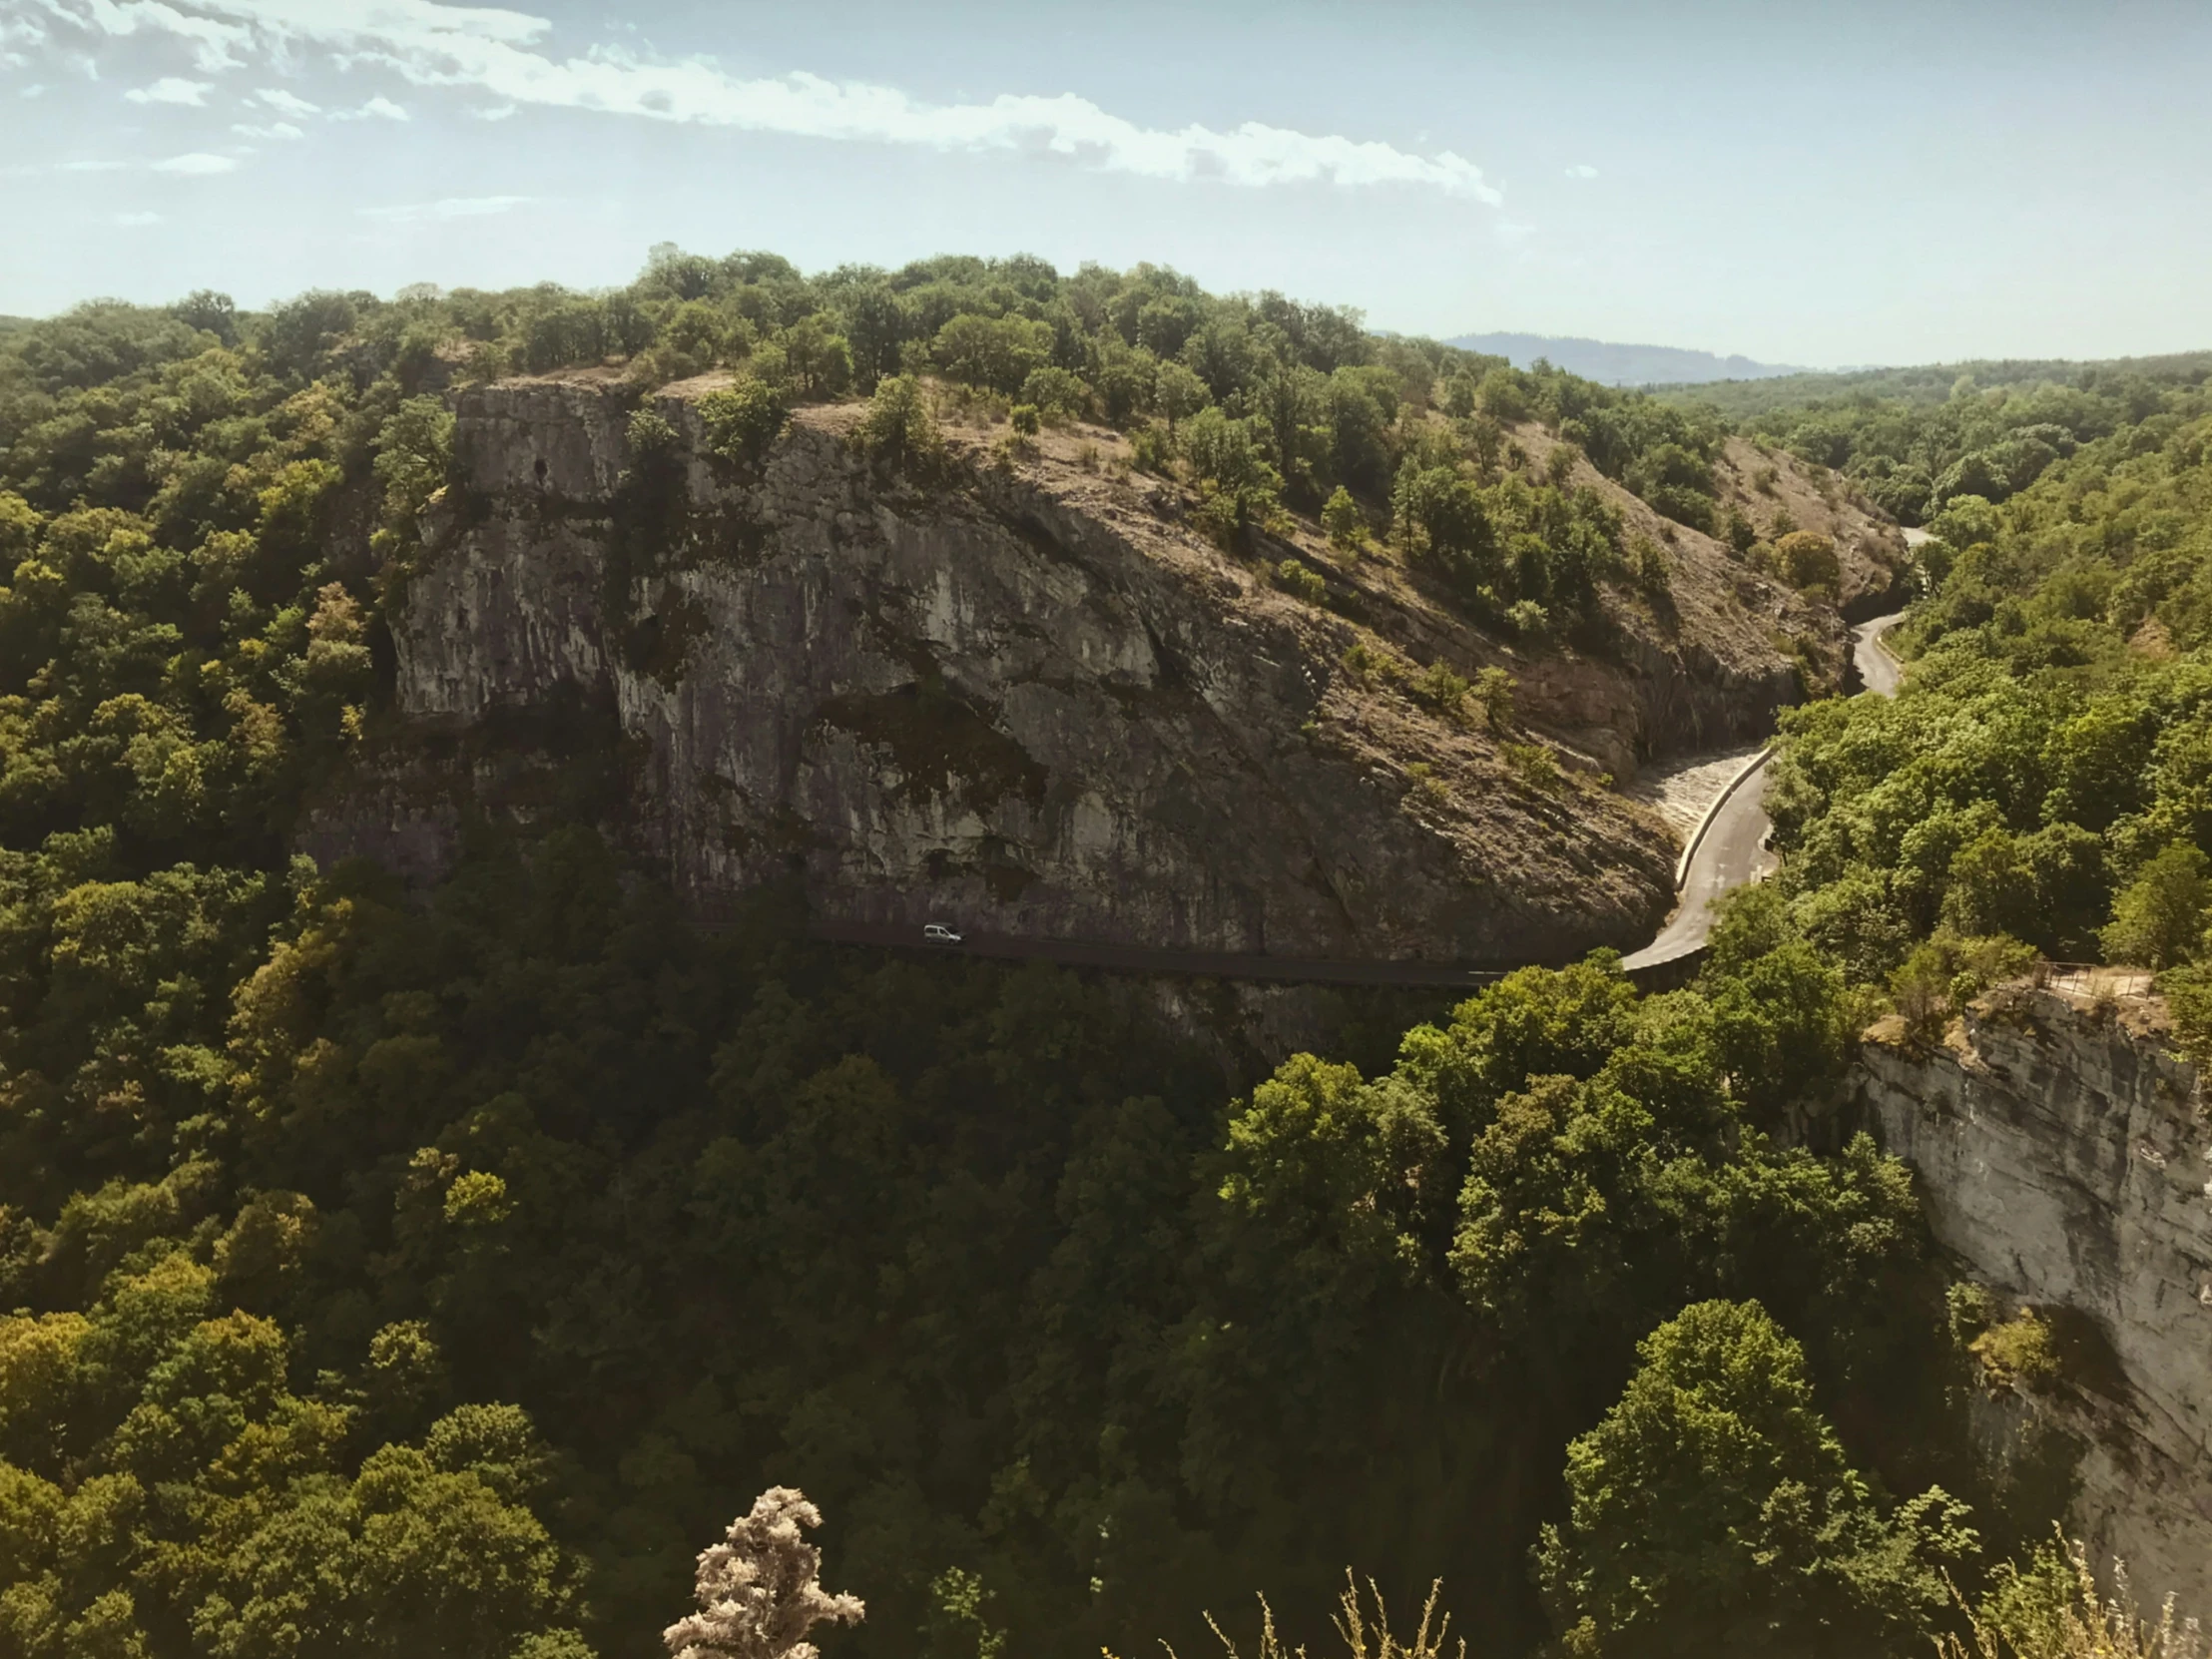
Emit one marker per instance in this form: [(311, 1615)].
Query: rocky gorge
[(1029, 698)]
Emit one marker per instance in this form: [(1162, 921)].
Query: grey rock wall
[(2064, 1161), (1024, 709)]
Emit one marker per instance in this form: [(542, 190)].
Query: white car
[(937, 932)]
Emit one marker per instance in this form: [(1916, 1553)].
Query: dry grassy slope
[(1702, 667), (1869, 542), (1707, 666)]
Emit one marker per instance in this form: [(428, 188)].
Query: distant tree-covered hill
[(1914, 439), (1622, 365), (1920, 385)]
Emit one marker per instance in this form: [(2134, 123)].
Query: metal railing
[(2092, 979)]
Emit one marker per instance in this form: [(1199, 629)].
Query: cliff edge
[(1025, 696), (2065, 1164)]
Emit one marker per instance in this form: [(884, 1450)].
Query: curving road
[(1730, 849), (1878, 671), (1727, 852)]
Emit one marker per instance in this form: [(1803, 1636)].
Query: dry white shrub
[(760, 1590)]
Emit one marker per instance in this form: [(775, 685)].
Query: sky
[(1825, 185)]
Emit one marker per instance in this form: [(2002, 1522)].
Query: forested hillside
[(436, 1269), (2042, 776), (1914, 439)]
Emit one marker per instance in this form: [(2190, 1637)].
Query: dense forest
[(2043, 779), (399, 1270), (1915, 439)]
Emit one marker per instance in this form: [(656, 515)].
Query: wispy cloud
[(16, 34), (1582, 170), (171, 89), (452, 207), (501, 54), (195, 164), (285, 103), (274, 130), (376, 109), (216, 41)]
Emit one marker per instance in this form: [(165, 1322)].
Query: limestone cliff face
[(2064, 1161), (1028, 700)]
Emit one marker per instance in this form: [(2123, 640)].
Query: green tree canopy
[(1713, 1511)]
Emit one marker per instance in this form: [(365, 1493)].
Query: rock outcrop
[(2066, 1162), (1027, 698)]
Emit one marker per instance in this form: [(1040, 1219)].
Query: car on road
[(937, 932)]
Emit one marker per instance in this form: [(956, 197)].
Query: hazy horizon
[(1899, 186)]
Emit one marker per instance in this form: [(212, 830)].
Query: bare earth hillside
[(1762, 481)]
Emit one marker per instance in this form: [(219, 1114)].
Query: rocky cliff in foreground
[(1027, 698), (2066, 1162)]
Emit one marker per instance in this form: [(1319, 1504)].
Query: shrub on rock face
[(1807, 559), (2188, 995), (899, 428), (1493, 691), (651, 436), (1341, 518), (1528, 619), (1438, 687), (743, 421), (1532, 763), (1293, 577), (1150, 450), (2050, 1607)]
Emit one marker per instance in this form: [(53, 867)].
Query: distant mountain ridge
[(1622, 365)]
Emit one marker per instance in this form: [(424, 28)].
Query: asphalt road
[(1730, 852), (1878, 671)]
